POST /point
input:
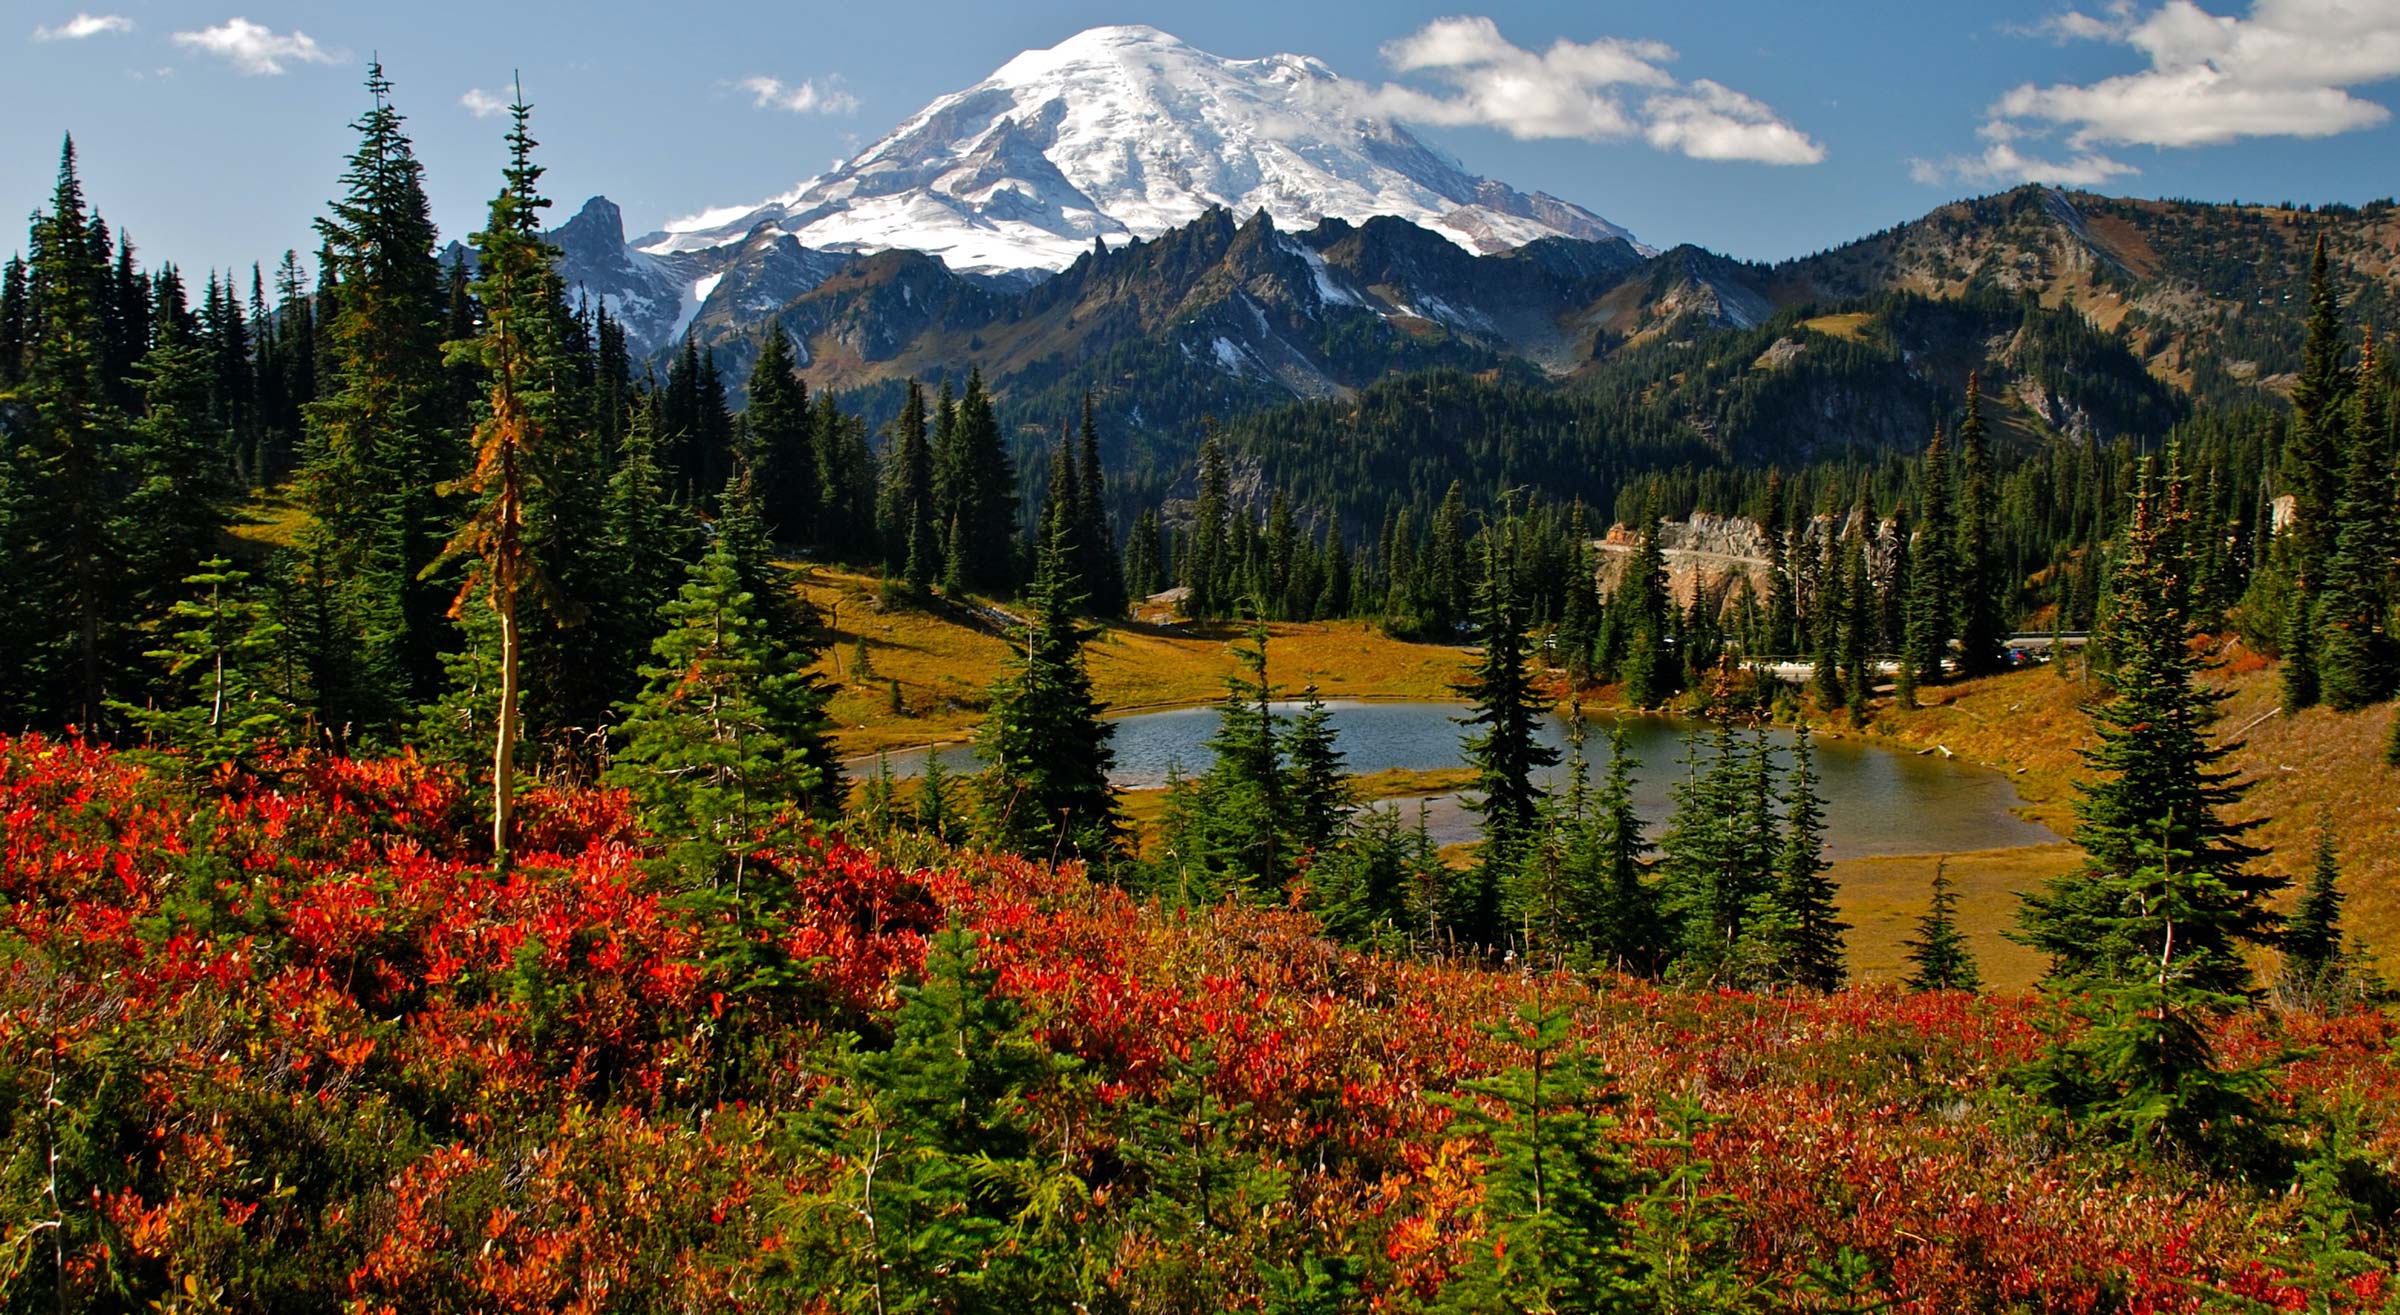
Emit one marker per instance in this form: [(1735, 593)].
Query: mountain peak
[(1122, 133)]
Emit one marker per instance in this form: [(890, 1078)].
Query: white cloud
[(85, 25), (805, 97), (2288, 68), (253, 49), (482, 104), (1612, 89)]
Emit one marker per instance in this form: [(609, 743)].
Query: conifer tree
[(2312, 944), (1233, 823), (378, 450), (937, 812), (2297, 681), (937, 1205), (974, 484), (1944, 961), (904, 505), (1046, 792), (722, 740), (1629, 934), (1503, 744), (777, 427), (1098, 540), (2357, 660), (226, 653), (1710, 874), (72, 499), (177, 507), (1319, 792), (1640, 602), (1857, 623), (1982, 624), (2313, 460), (521, 350), (1810, 950), (1205, 558), (648, 539), (1555, 1187), (1932, 577), (2155, 811), (1145, 563)]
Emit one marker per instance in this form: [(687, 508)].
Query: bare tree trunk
[(504, 753)]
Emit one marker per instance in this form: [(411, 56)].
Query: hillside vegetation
[(282, 1040)]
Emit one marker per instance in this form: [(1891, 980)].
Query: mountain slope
[(1120, 133)]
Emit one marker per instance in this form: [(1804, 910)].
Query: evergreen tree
[(2155, 813), (937, 813), (2313, 459), (2297, 682), (1982, 623), (2357, 660), (1944, 961), (1628, 934), (1319, 792), (1555, 1186), (1809, 953), (937, 1202), (1640, 602), (227, 654), (1046, 792), (1145, 562), (2312, 945), (719, 744), (2149, 934), (648, 540), (1503, 745), (978, 485), (521, 350), (178, 506), (1932, 576), (72, 500), (378, 448), (1711, 876), (904, 505), (777, 428), (1230, 829), (1098, 541), (1205, 558)]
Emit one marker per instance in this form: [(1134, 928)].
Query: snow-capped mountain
[(1119, 133)]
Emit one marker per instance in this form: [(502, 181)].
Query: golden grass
[(1851, 326), (946, 661), (269, 521), (1882, 898)]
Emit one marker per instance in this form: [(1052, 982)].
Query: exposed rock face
[(1716, 553)]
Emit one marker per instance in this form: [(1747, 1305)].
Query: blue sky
[(214, 129)]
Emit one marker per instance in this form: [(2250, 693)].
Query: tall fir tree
[(1932, 573), (2314, 453), (1503, 744), (378, 447), (777, 429), (523, 352), (2168, 878), (1981, 583), (1045, 793), (74, 487), (1809, 952)]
